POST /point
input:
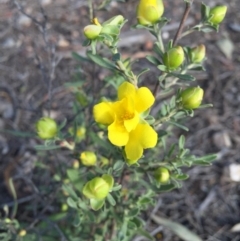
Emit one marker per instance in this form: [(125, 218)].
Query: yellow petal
[(148, 137), (132, 123), (144, 136), (117, 134), (124, 108), (144, 99), (125, 90), (103, 113)]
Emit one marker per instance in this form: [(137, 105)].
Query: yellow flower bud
[(149, 11), (64, 207), (7, 220), (197, 54), (162, 175), (22, 233), (88, 158), (98, 188), (218, 13), (80, 133), (92, 31), (191, 98), (46, 128), (174, 57), (75, 164)]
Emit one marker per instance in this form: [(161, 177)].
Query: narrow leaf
[(180, 230)]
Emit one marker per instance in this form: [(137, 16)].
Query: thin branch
[(181, 25), (47, 72)]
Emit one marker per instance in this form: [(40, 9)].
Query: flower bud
[(92, 31), (64, 207), (218, 13), (161, 175), (174, 57), (22, 233), (46, 128), (197, 54), (88, 158), (149, 11), (79, 133), (191, 98), (75, 164), (98, 188), (116, 20)]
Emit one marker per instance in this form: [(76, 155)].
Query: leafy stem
[(166, 118), (159, 37)]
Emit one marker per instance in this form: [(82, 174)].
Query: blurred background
[(37, 38)]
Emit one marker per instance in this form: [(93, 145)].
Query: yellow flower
[(149, 11), (123, 117)]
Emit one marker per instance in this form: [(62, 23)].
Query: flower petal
[(117, 134), (125, 90), (143, 99), (144, 136), (148, 137), (132, 123), (103, 113)]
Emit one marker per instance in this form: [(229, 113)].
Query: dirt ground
[(209, 202)]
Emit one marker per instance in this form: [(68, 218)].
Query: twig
[(181, 25), (90, 5), (48, 73)]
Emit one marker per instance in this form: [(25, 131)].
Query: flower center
[(127, 116)]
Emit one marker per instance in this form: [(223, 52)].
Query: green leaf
[(178, 125), (71, 203), (144, 201), (103, 62), (111, 200), (77, 220), (181, 176), (145, 234), (86, 43), (96, 204), (153, 60), (19, 133), (97, 140), (116, 188), (180, 230), (58, 216), (162, 68), (185, 77), (205, 10), (70, 191), (138, 222), (209, 28), (133, 212), (150, 119), (116, 57), (73, 174), (46, 148), (118, 166), (79, 57), (131, 225), (181, 142), (208, 158), (166, 188), (143, 72), (171, 150), (202, 163)]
